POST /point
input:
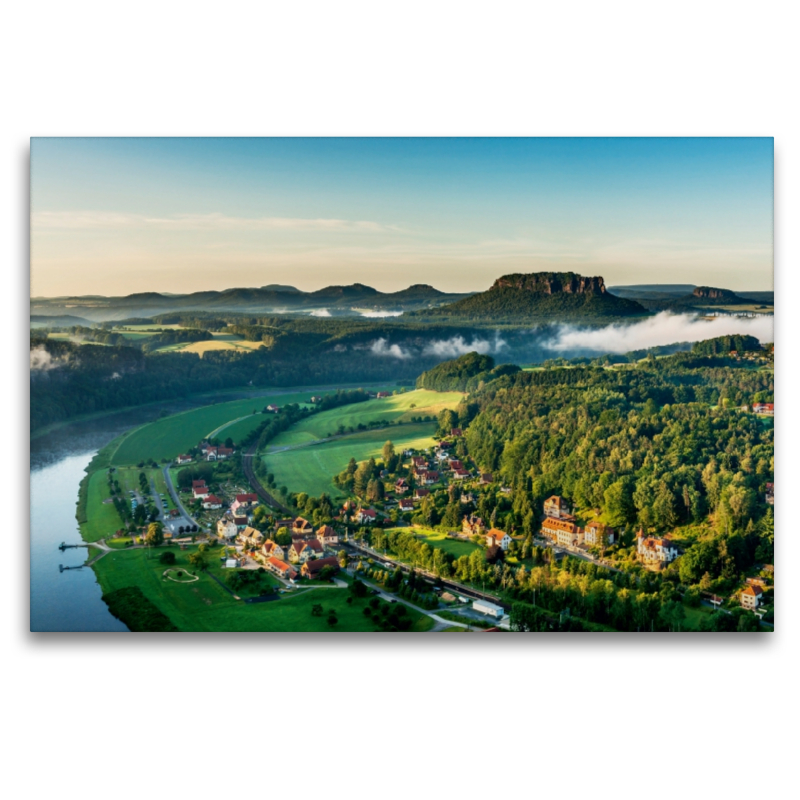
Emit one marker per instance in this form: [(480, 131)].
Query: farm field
[(102, 518), (205, 606), (170, 436), (311, 469), (398, 408), (221, 341)]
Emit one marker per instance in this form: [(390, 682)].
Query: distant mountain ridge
[(273, 298)]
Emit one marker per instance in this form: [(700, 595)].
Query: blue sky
[(114, 216)]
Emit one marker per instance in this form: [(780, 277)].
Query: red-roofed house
[(765, 409), (420, 493), (499, 538), (653, 550), (486, 478), (455, 464), (272, 549), (557, 507), (280, 568), (212, 501), (366, 516), (183, 459), (401, 487), (751, 597), (312, 569), (460, 474), (405, 504), (472, 525), (327, 536), (456, 432), (383, 394), (200, 491)]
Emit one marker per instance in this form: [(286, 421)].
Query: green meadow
[(204, 605), (102, 518), (311, 468), (398, 408), (439, 539)]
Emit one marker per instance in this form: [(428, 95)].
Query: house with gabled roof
[(495, 537), (405, 504), (272, 549), (598, 534), (750, 597), (280, 568), (473, 525), (419, 494), (183, 459), (227, 528), (251, 537), (557, 507), (366, 516), (655, 551), (211, 501), (327, 536), (312, 569), (401, 486), (302, 526), (563, 532)]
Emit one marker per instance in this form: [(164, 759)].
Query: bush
[(167, 558)]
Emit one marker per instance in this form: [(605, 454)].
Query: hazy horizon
[(115, 217)]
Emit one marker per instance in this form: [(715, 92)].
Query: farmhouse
[(270, 549), (472, 525), (366, 516), (750, 597), (280, 568), (562, 531), (596, 533), (224, 452), (499, 538), (327, 536), (212, 501), (557, 507), (655, 551), (312, 569), (183, 459), (226, 528)]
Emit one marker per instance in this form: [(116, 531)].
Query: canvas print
[(400, 385)]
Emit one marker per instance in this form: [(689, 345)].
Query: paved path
[(227, 424)]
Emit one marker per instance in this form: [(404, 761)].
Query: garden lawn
[(397, 408), (311, 469), (102, 518), (170, 436), (455, 547), (205, 606)]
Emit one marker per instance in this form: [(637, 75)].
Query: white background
[(224, 716)]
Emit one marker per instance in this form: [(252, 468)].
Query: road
[(175, 499)]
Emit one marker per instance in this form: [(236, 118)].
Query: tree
[(495, 554), (316, 610), (332, 619), (199, 561), (387, 452), (155, 534), (358, 588), (283, 537), (167, 557), (342, 557)]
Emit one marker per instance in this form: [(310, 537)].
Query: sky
[(116, 216)]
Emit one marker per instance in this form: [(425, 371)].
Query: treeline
[(723, 345), (463, 374)]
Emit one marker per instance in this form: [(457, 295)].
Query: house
[(486, 479), (183, 459), (456, 432), (271, 409), (246, 500), (366, 516), (420, 493), (596, 533), (765, 409), (429, 477), (505, 490), (226, 528), (251, 537), (405, 504), (381, 395), (562, 531), (212, 501), (316, 399), (312, 569), (419, 462), (467, 497), (203, 447), (655, 551), (211, 453), (401, 487), (302, 527), (300, 552), (750, 597), (454, 464), (499, 538), (272, 549), (460, 475), (280, 568), (770, 495), (557, 507), (224, 452), (327, 536), (199, 489), (472, 525), (232, 563), (241, 522)]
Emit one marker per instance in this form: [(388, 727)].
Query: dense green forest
[(463, 374)]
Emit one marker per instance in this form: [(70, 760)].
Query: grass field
[(398, 408), (453, 546), (221, 341), (206, 606), (170, 436), (311, 469), (101, 518)]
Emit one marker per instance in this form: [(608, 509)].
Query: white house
[(227, 528), (751, 597), (653, 550), (499, 538), (211, 501)]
